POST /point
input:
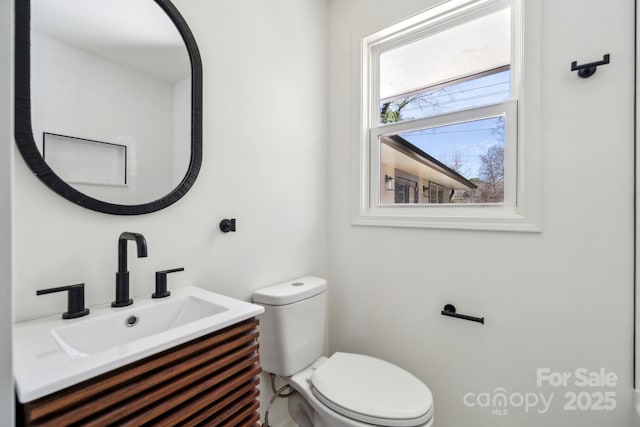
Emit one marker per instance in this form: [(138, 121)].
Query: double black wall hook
[(588, 70)]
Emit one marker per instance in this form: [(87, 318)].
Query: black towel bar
[(450, 310)]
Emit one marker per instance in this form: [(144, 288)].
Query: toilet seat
[(372, 390)]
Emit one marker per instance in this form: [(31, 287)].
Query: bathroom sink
[(51, 353), (121, 328)]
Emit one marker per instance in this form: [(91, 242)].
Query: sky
[(467, 140)]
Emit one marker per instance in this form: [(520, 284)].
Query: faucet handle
[(75, 300), (161, 283)]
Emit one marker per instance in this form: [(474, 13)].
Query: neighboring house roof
[(405, 147)]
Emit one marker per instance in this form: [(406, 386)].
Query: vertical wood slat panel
[(240, 414), (148, 390), (89, 389), (197, 401), (117, 413), (206, 377), (198, 410)]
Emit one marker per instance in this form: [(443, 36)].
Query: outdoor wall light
[(425, 191), (388, 180)]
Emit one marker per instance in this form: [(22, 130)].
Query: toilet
[(345, 389)]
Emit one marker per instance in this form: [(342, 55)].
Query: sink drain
[(131, 321)]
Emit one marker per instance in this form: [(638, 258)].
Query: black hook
[(227, 225), (588, 70)]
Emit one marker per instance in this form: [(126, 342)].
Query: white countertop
[(42, 366)]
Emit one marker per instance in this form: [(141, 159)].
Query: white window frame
[(521, 210)]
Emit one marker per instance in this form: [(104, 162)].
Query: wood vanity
[(212, 381)]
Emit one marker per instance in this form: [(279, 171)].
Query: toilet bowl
[(344, 390), (358, 391)]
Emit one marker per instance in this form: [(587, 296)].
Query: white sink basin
[(51, 353), (121, 328)]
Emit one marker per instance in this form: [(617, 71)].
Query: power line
[(443, 92)]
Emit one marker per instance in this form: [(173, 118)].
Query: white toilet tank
[(292, 327)]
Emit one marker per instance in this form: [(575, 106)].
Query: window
[(441, 94), (406, 188), (436, 193)]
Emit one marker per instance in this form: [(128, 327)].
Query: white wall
[(264, 164), (637, 233), (561, 299), (6, 211), (112, 103)]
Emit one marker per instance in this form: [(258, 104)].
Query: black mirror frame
[(24, 131)]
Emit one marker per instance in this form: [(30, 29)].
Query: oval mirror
[(109, 101)]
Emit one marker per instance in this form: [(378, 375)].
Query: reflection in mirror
[(119, 74), (105, 74)]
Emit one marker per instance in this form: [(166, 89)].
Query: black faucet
[(161, 283), (122, 276), (75, 300)]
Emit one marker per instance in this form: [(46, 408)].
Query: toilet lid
[(372, 391)]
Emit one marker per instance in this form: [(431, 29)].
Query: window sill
[(481, 218)]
